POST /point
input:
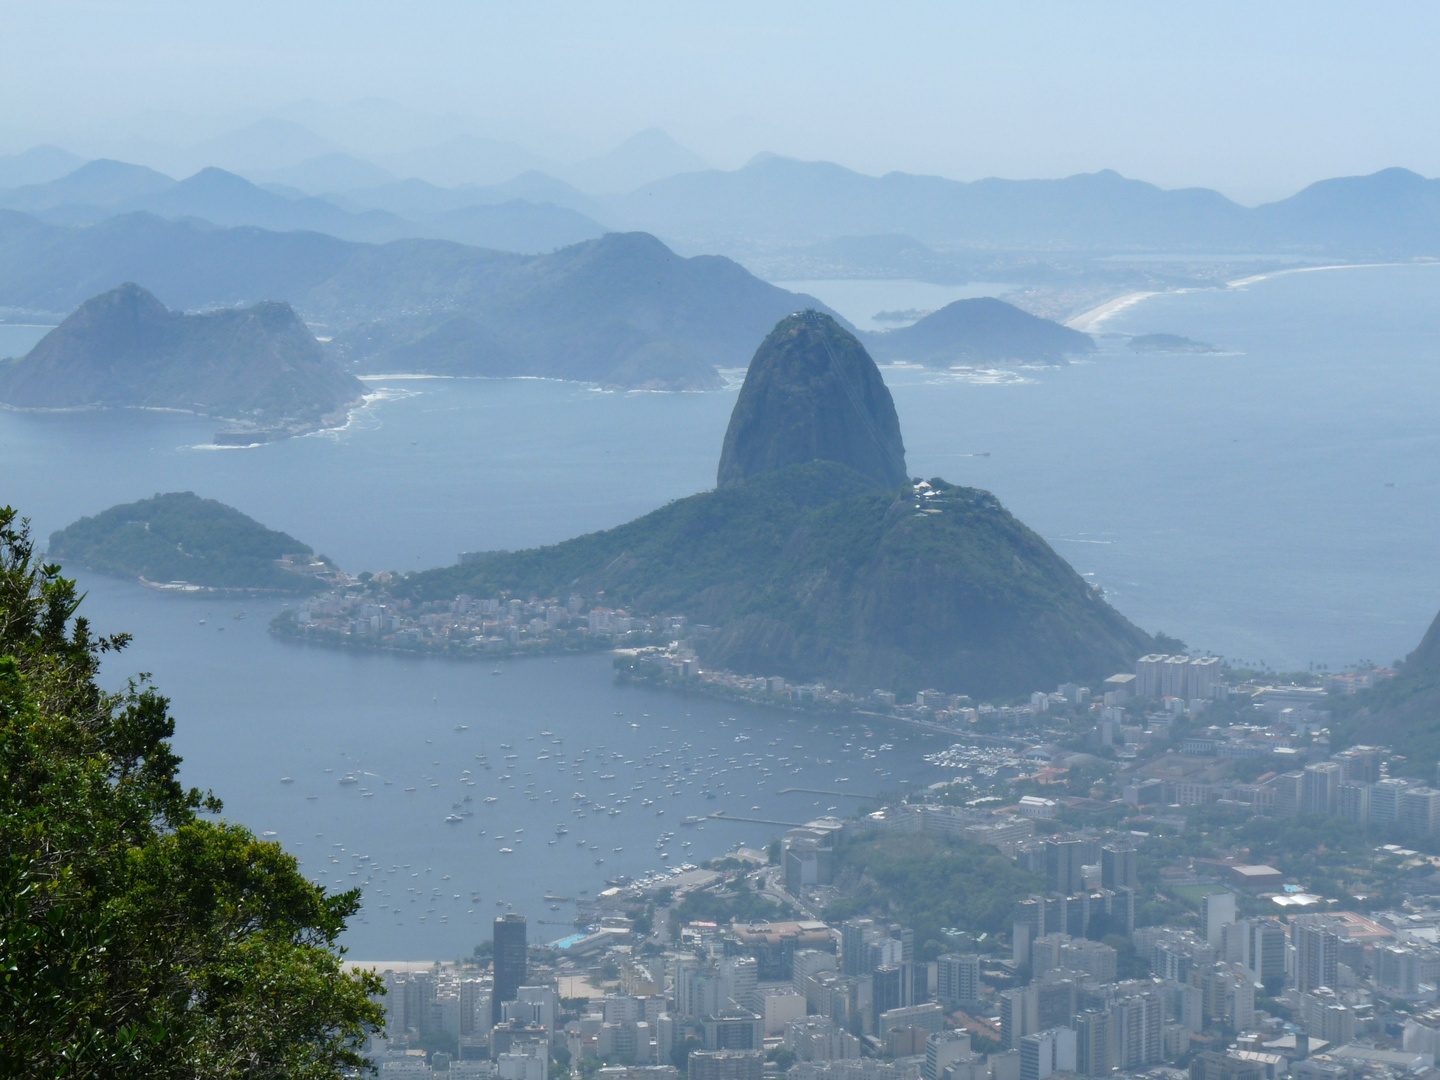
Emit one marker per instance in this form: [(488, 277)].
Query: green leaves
[(136, 937)]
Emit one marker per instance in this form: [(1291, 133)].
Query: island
[(258, 367), (817, 560), (179, 542), (1169, 343), (982, 330)]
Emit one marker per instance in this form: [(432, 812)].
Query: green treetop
[(139, 935)]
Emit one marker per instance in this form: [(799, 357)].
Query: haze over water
[(1238, 500)]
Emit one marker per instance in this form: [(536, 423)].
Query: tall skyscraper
[(510, 961), (1093, 1052), (1063, 859), (1119, 866), (1217, 910), (1317, 952), (1320, 788), (957, 979)]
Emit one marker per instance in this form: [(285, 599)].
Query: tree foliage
[(929, 882), (139, 935)]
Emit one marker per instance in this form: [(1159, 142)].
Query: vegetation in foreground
[(140, 936)]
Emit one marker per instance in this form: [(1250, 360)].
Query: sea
[(1272, 501)]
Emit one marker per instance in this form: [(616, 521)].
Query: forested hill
[(124, 348), (1401, 712), (182, 537), (812, 572)]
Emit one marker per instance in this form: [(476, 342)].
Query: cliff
[(812, 393)]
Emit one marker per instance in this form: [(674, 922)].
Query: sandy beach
[(1088, 322)]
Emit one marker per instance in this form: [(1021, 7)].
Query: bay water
[(1273, 501)]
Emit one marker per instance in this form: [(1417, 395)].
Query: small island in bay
[(258, 367), (981, 330), (182, 543), (1169, 343)]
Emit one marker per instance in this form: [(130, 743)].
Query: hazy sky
[(1252, 98)]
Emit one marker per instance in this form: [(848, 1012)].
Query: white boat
[(348, 778), (507, 851), (287, 779), (491, 798)]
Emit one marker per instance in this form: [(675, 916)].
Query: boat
[(312, 796), (462, 727), (287, 779), (507, 851), (453, 818), (409, 789), (269, 833), (491, 798), (348, 778), (691, 820)]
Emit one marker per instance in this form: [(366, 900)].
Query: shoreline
[(1088, 321)]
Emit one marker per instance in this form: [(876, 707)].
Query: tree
[(140, 936)]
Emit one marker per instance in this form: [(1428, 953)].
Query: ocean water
[(1274, 501), (252, 711)]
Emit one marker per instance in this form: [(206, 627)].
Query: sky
[(1253, 99)]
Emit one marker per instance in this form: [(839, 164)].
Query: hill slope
[(981, 330), (813, 393), (623, 309), (257, 364), (182, 537), (1400, 712), (812, 573)]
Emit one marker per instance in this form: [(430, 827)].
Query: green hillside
[(814, 572), (182, 537)]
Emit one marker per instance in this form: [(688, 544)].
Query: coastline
[(1087, 322)]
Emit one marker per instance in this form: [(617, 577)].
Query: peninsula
[(816, 560)]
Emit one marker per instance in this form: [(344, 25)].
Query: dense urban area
[(1173, 875)]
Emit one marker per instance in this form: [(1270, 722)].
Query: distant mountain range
[(775, 200), (816, 214), (258, 365), (103, 189)]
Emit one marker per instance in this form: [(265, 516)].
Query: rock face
[(258, 364), (812, 393)]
